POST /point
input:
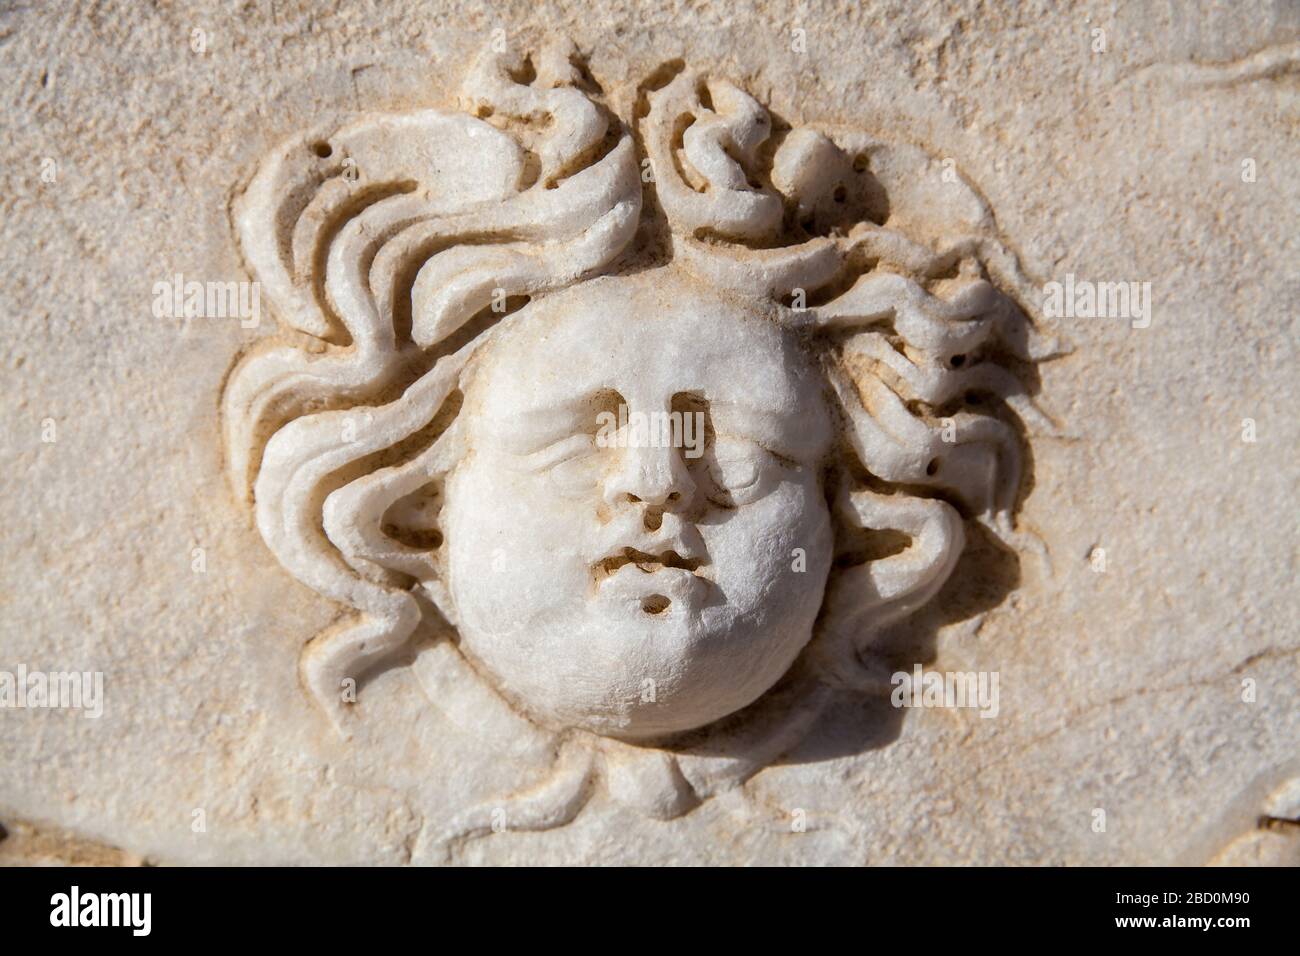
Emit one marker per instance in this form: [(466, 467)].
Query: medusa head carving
[(653, 423)]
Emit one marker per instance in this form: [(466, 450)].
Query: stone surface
[(314, 651)]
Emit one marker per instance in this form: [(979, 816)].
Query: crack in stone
[(1069, 718)]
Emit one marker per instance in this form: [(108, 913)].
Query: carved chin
[(618, 670)]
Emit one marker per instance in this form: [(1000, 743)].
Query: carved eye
[(740, 471), (572, 466), (734, 471)]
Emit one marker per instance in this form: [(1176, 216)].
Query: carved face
[(648, 579)]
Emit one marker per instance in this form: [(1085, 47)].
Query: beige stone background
[(1119, 690)]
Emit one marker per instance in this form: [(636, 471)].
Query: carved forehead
[(648, 337)]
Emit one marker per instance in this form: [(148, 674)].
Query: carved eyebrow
[(534, 428), (767, 427)]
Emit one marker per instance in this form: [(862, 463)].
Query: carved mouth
[(658, 581), (646, 562), (656, 604)]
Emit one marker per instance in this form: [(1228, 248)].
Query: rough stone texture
[(1120, 690)]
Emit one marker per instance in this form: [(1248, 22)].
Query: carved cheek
[(512, 547), (753, 550), (518, 508)]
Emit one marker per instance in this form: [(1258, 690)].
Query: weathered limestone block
[(785, 436)]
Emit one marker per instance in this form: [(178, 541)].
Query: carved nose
[(655, 477)]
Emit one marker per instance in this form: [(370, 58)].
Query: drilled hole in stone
[(526, 73), (957, 361), (655, 604), (322, 149), (932, 468), (860, 163), (840, 194)]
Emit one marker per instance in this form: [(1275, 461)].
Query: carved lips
[(652, 579), (649, 563)]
